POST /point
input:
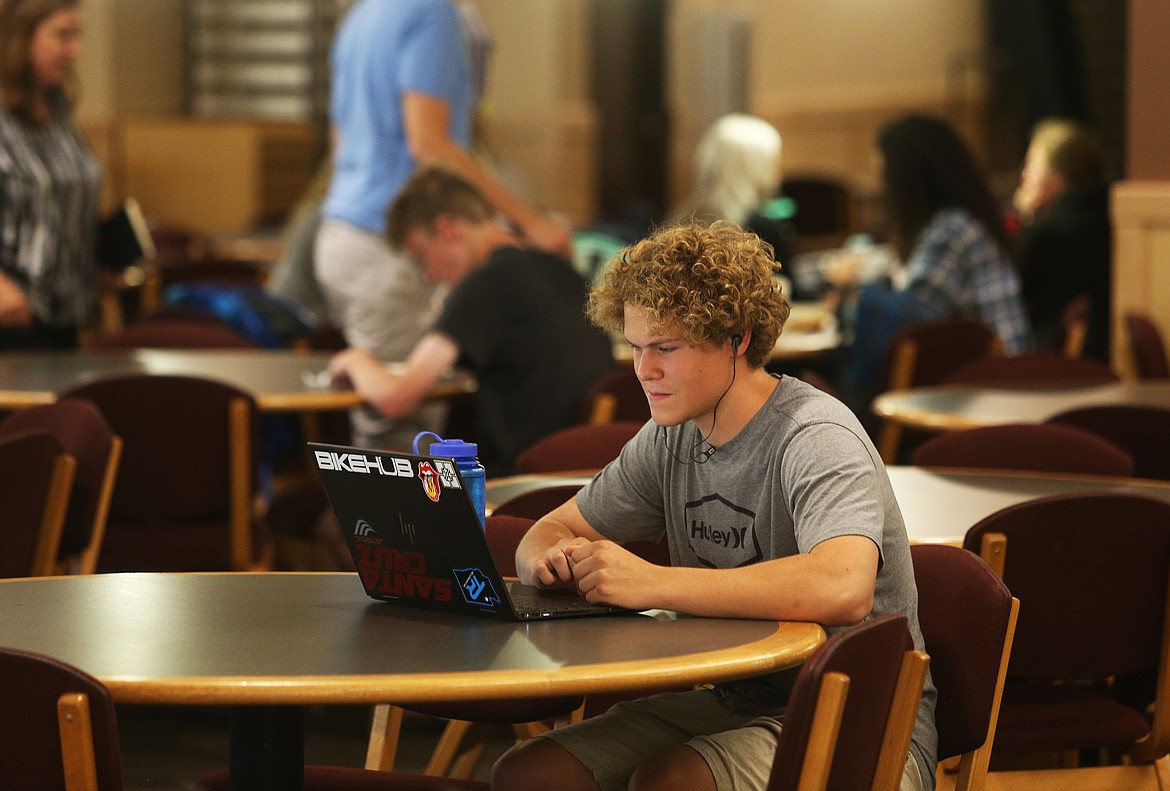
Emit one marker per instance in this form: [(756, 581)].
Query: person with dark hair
[(945, 224), (49, 180), (1065, 246), (774, 502), (514, 317)]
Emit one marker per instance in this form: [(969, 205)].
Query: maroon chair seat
[(1043, 447), (1091, 571)]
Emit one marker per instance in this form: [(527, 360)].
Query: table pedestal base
[(267, 748)]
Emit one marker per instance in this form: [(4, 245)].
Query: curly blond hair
[(713, 281)]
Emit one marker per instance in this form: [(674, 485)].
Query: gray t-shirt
[(801, 471)]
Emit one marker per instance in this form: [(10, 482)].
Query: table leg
[(267, 748)]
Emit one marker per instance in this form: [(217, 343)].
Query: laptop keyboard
[(534, 600)]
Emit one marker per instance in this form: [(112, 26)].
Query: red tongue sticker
[(430, 480)]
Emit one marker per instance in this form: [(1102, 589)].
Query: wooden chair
[(585, 447), (1033, 369), (968, 619), (1143, 431), (861, 689), (37, 477), (58, 727), (1147, 347), (85, 435), (186, 493), (926, 353), (1046, 447), (1092, 571), (617, 395)]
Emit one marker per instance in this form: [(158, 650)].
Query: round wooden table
[(280, 380), (267, 644), (953, 407)]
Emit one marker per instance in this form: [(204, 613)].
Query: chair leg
[(445, 750), (1162, 773), (384, 731)]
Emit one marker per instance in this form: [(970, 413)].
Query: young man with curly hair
[(774, 502)]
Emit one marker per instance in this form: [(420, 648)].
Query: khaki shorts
[(614, 744)]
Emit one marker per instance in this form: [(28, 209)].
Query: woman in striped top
[(49, 180)]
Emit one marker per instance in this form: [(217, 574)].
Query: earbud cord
[(705, 456)]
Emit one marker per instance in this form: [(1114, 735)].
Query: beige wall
[(1148, 127), (1141, 204), (826, 72)]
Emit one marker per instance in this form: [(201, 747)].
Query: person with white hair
[(737, 173)]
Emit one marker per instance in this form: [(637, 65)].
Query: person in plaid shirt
[(945, 224)]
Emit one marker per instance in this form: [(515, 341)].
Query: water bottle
[(464, 455)]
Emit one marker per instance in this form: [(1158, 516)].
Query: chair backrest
[(927, 352), (1033, 368), (58, 726), (170, 331), (1092, 572), (189, 459), (860, 667), (1045, 447), (968, 618), (1143, 431), (1147, 347), (36, 475), (535, 503), (84, 434), (584, 447), (616, 395), (503, 536)]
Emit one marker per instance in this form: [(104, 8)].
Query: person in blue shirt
[(945, 224), (402, 94)]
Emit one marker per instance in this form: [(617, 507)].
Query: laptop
[(416, 538)]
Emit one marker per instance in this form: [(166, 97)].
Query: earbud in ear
[(736, 340)]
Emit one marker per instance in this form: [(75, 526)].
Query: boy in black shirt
[(514, 317)]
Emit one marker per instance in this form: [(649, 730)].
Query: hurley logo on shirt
[(721, 534)]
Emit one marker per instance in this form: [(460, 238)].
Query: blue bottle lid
[(450, 448)]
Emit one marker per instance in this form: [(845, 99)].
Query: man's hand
[(345, 363), (554, 569), (549, 234), (608, 573), (14, 308)]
